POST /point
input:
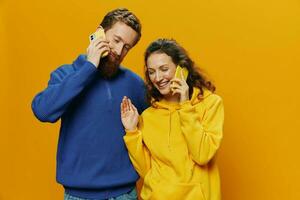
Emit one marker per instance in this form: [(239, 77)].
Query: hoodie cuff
[(131, 132)]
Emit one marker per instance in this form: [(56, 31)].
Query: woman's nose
[(157, 76)]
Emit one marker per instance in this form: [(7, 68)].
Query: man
[(92, 160)]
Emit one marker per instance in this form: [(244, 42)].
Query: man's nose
[(118, 49)]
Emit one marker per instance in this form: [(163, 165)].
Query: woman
[(174, 142)]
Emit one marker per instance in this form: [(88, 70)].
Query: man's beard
[(108, 68)]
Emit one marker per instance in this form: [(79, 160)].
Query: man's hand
[(96, 48)]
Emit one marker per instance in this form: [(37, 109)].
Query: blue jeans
[(132, 195)]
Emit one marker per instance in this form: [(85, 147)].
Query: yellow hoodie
[(174, 149)]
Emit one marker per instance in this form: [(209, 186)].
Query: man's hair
[(122, 15)]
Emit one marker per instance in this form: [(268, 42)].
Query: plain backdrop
[(250, 49)]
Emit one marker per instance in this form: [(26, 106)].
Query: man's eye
[(164, 69)]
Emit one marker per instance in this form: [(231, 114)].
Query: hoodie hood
[(172, 106), (171, 109)]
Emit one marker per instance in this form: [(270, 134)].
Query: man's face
[(121, 38)]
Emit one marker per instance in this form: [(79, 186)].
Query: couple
[(168, 133)]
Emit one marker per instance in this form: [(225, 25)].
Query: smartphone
[(97, 34), (180, 69)]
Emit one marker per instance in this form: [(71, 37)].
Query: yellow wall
[(249, 47)]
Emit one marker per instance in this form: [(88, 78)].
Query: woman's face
[(161, 71)]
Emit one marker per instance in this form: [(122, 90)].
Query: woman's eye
[(164, 69), (150, 72)]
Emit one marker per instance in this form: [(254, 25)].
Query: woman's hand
[(129, 114), (179, 86)]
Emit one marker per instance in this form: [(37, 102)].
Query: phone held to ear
[(178, 72), (99, 33), (180, 69)]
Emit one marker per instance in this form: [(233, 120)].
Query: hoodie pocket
[(177, 191)]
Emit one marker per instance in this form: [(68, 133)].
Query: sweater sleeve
[(64, 85), (203, 128), (138, 152), (142, 101)]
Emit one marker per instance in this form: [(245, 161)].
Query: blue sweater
[(92, 159)]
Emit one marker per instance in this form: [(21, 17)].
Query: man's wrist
[(93, 63)]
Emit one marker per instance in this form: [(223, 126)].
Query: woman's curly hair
[(179, 55)]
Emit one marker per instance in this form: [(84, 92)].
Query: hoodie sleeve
[(202, 127), (65, 83), (138, 152)]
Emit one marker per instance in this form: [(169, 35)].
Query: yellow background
[(249, 47)]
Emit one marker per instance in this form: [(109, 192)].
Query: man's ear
[(100, 27)]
